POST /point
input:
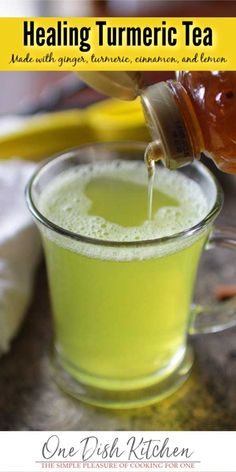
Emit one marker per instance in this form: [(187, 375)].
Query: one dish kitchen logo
[(93, 452)]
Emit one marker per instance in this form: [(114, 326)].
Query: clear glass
[(122, 310)]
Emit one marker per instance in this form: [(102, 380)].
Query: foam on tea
[(108, 201)]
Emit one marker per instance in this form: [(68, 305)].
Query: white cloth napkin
[(19, 248)]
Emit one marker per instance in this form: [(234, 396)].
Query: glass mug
[(122, 310)]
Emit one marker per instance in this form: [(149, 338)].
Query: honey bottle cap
[(167, 126)]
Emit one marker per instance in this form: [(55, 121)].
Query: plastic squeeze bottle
[(186, 117)]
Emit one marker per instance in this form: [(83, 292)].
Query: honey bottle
[(186, 117), (194, 114)]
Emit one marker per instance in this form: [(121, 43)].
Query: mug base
[(112, 399)]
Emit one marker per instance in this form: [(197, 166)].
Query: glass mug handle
[(220, 316)]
